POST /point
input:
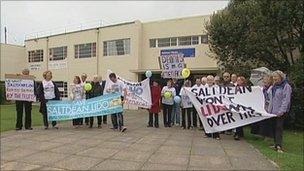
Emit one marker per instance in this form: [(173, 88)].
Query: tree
[(252, 33)]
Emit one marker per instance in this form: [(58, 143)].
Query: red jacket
[(155, 96)]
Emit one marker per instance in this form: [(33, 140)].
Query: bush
[(2, 92)]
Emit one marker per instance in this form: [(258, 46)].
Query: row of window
[(88, 50), (113, 47), (179, 41)]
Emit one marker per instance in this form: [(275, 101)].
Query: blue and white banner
[(185, 52), (98, 106)]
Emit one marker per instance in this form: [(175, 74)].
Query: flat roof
[(114, 25)]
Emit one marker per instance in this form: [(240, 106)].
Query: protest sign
[(137, 93), (97, 106), (223, 108), (20, 87), (172, 65)]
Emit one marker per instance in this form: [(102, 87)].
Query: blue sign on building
[(187, 52)]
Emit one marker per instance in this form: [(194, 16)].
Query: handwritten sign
[(19, 87), (172, 65)]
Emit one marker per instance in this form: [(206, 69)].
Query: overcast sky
[(26, 18)]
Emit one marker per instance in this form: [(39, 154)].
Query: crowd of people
[(276, 89)]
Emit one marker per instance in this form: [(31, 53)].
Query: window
[(163, 42), (87, 50), (184, 41), (173, 41), (58, 53), (116, 47), (204, 39), (35, 55), (152, 43), (63, 88), (194, 40)]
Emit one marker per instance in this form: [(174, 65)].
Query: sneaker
[(218, 138), (29, 128), (99, 126), (272, 146), (123, 129), (279, 149), (46, 127), (18, 129), (237, 138)]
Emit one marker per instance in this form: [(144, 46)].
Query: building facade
[(128, 49)]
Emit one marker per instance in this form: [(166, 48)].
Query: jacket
[(281, 95), (155, 98), (40, 94)]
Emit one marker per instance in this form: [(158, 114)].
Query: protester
[(155, 107), (176, 107), (210, 84), (217, 80), (117, 86), (168, 102), (96, 91), (27, 107), (234, 78), (186, 105), (47, 91), (241, 81), (204, 81), (198, 85), (77, 94), (227, 83), (85, 95), (281, 94), (266, 128)]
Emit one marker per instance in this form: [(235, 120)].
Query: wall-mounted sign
[(58, 65), (34, 67), (186, 52)]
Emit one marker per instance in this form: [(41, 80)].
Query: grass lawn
[(293, 156), (8, 117)]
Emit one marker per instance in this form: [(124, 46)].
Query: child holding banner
[(77, 94), (168, 93), (155, 107), (186, 105), (47, 91)]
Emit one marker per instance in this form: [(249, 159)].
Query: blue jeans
[(175, 113), (117, 120)]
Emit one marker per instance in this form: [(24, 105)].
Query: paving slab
[(139, 148)]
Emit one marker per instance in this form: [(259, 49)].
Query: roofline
[(113, 25), (23, 46), (180, 18)]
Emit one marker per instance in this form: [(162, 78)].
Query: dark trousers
[(78, 121), (194, 117), (150, 123), (188, 112), (87, 120), (45, 115), (239, 132), (167, 110), (278, 135), (99, 120), (117, 120), (27, 106), (104, 119)]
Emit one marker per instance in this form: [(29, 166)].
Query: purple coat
[(281, 95)]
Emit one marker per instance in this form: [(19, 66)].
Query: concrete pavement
[(139, 148)]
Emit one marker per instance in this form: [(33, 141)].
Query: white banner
[(137, 93), (224, 108)]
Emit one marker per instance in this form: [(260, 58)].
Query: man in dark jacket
[(97, 90), (27, 106)]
